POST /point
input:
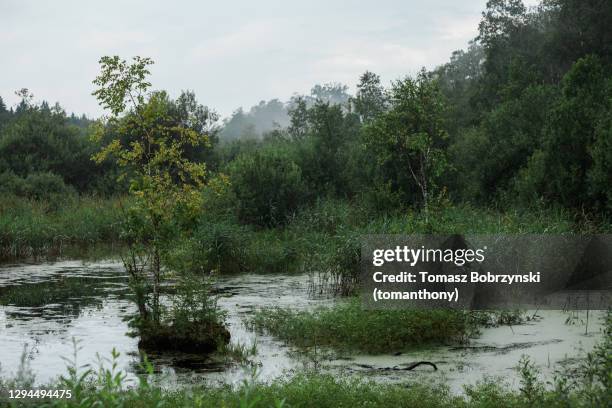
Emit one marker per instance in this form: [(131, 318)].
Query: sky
[(230, 53)]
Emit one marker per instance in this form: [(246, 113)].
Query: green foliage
[(458, 80), (600, 173), (298, 114), (576, 138), (268, 186), (46, 187), (487, 159), (275, 251), (533, 97), (152, 144), (579, 28), (411, 136), (370, 100), (322, 149), (31, 228), (348, 326), (193, 323), (218, 247), (38, 139)]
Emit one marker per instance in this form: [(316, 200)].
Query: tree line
[(522, 117)]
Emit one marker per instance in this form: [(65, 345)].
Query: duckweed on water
[(586, 386), (56, 291)]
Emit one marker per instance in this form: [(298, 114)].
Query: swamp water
[(86, 302)]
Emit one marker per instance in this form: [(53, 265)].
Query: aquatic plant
[(347, 326)]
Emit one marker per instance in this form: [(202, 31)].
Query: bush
[(194, 324), (268, 186), (47, 187)]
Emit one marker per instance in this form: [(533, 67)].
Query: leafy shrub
[(47, 187), (268, 186)]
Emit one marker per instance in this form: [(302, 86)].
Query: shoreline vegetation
[(586, 384), (29, 229)]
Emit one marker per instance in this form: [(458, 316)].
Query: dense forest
[(519, 118)]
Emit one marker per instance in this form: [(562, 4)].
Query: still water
[(93, 308)]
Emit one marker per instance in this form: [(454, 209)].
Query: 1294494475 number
[(23, 394)]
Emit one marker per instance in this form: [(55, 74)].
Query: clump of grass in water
[(237, 352), (495, 318), (347, 326)]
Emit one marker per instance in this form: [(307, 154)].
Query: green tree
[(40, 139), (408, 140), (500, 20), (370, 99), (459, 81), (576, 138), (164, 183), (488, 157), (323, 155), (579, 28), (298, 118), (332, 93)]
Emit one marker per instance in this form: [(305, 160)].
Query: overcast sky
[(231, 53)]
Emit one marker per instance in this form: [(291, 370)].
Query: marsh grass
[(237, 352), (323, 239), (333, 258), (33, 229), (346, 326)]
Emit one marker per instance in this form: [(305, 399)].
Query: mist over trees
[(271, 115), (521, 117)]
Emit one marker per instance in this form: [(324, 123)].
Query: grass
[(348, 327), (323, 238), (334, 257), (31, 228), (237, 352)]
